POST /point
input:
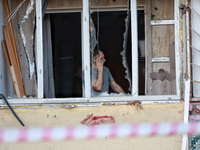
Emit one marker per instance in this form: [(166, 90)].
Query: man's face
[(101, 56)]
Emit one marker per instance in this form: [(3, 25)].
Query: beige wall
[(122, 114)]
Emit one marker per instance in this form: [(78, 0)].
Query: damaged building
[(46, 56)]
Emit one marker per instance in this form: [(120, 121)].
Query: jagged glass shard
[(123, 53)]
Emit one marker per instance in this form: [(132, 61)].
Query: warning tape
[(109, 131)]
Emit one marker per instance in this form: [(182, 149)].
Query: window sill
[(93, 100)]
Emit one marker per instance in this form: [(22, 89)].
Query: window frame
[(86, 64), (86, 59)]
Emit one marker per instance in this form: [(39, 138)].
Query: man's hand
[(97, 84), (99, 64)]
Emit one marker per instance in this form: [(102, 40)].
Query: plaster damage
[(31, 64)]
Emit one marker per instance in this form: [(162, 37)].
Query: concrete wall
[(122, 114), (6, 86)]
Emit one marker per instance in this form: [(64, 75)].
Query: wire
[(194, 10), (7, 103), (14, 12)]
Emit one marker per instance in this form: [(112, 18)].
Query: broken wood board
[(172, 65), (13, 60), (12, 38), (28, 25), (148, 51), (11, 69)]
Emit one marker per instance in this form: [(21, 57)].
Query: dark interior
[(111, 29), (66, 44)]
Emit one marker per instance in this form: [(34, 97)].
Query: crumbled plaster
[(26, 16)]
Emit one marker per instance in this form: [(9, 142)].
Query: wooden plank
[(11, 69), (162, 9), (172, 66), (12, 38), (162, 36), (3, 43), (148, 53), (6, 7), (14, 80), (13, 60)]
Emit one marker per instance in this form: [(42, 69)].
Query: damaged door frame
[(86, 64)]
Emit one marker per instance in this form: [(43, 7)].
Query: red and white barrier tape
[(109, 131)]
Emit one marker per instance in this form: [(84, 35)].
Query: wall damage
[(31, 60)]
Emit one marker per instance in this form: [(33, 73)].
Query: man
[(101, 76)]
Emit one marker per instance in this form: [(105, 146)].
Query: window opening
[(67, 59), (111, 30), (111, 38)]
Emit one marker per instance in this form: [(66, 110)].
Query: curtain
[(49, 89)]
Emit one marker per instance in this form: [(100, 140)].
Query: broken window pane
[(110, 29)]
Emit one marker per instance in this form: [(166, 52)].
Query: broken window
[(111, 28), (156, 47), (149, 66)]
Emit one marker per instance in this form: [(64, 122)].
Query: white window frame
[(86, 64)]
